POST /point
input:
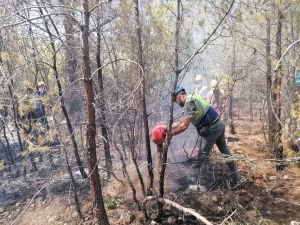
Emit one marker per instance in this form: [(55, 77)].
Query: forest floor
[(266, 196)]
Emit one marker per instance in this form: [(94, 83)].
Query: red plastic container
[(158, 133)]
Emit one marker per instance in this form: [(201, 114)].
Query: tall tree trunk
[(271, 118), (278, 147), (164, 148), (143, 98), (103, 122), (95, 183)]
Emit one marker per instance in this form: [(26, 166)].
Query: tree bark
[(103, 122), (277, 89), (164, 148), (143, 98), (271, 118), (95, 183)]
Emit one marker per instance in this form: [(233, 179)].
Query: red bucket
[(158, 133)]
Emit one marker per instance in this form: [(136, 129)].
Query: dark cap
[(179, 89)]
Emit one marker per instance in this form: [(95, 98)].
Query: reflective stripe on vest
[(201, 108)]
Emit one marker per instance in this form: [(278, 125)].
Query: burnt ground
[(266, 196)]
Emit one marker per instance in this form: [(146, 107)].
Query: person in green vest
[(209, 126)]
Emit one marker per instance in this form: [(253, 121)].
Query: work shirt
[(209, 116)]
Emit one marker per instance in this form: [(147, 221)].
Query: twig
[(177, 206), (294, 203), (228, 217), (114, 175)]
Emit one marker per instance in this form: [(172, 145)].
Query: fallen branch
[(228, 217), (177, 206)]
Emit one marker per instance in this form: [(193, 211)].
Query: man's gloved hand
[(158, 133)]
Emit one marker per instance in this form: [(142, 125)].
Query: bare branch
[(37, 18), (177, 206), (206, 41), (97, 5), (279, 61)]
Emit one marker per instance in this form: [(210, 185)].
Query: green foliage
[(113, 202), (25, 105)]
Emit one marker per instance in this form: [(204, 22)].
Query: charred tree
[(103, 121), (164, 148), (271, 118), (143, 97), (95, 183), (277, 139)]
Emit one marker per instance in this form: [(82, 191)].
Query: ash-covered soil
[(265, 197)]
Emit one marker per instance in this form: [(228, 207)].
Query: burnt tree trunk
[(271, 118), (103, 122), (230, 114), (230, 97), (278, 146), (143, 98), (164, 148), (95, 183)]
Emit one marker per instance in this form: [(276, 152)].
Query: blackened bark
[(271, 118), (103, 122), (7, 149), (165, 147), (277, 89), (230, 114), (161, 183), (143, 98), (15, 114)]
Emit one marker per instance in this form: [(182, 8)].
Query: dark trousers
[(214, 134)]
